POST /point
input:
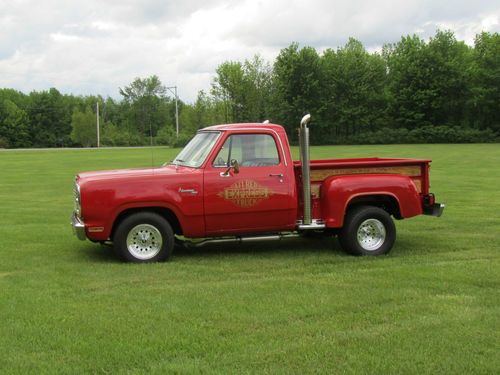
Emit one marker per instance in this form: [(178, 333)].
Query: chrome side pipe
[(305, 159), (228, 240)]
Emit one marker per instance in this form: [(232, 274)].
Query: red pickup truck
[(238, 182)]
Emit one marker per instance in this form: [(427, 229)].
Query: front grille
[(76, 199)]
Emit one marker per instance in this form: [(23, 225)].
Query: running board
[(224, 240), (315, 224)]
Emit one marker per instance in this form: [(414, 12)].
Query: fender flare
[(142, 205), (338, 192)]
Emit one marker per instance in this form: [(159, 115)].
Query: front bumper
[(78, 227), (435, 209)]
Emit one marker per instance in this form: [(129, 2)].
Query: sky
[(95, 47)]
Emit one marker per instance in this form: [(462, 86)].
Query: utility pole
[(176, 108), (97, 118)]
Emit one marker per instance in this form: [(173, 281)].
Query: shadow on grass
[(405, 246), (303, 247), (97, 253), (298, 246), (314, 245)]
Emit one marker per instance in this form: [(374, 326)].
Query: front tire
[(367, 230), (144, 237)]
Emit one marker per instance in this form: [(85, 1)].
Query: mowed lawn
[(430, 307)]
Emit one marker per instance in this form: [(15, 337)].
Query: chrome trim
[(222, 240), (440, 209), (315, 224), (190, 191), (78, 227), (305, 120), (271, 130), (77, 199), (144, 241), (371, 234), (304, 159), (435, 210)]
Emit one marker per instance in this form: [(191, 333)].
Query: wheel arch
[(385, 201), (166, 213)]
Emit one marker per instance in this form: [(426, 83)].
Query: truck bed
[(417, 169)]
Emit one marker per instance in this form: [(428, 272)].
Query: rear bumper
[(435, 209), (78, 227)]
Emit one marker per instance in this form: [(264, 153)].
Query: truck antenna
[(151, 144)]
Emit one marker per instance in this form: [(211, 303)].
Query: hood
[(116, 173)]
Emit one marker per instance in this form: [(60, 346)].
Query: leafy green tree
[(484, 107), (447, 61), (84, 128), (50, 119), (166, 136), (297, 83), (408, 92), (353, 92), (17, 97), (416, 91), (229, 88), (14, 125), (258, 85), (243, 90), (146, 105), (427, 82)]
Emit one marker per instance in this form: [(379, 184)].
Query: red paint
[(347, 188), (257, 199)]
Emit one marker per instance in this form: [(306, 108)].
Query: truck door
[(255, 199)]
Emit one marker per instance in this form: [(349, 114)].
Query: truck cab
[(238, 182), (249, 184)]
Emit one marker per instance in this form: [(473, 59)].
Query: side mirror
[(235, 165), (236, 168)]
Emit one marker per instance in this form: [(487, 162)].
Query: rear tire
[(367, 230), (144, 237)]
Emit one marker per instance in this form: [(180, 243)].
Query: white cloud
[(60, 37), (94, 47), (489, 22)]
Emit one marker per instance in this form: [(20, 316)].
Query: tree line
[(413, 91)]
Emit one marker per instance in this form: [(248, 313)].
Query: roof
[(245, 126)]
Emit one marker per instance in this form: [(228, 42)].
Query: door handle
[(279, 175)]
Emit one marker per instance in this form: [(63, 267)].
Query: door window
[(250, 150)]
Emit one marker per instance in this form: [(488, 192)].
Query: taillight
[(429, 199)]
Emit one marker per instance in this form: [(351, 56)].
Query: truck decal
[(245, 193)]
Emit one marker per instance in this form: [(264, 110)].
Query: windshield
[(196, 151)]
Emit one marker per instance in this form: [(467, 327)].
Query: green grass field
[(430, 307)]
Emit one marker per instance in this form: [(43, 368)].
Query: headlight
[(76, 192)]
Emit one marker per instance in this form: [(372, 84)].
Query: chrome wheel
[(371, 234), (144, 241)]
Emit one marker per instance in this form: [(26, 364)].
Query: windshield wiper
[(177, 160)]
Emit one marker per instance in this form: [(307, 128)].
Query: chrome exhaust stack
[(304, 159)]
